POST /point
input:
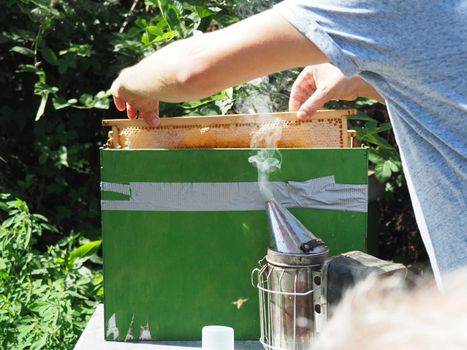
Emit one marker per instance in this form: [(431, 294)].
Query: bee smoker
[(299, 286), (289, 283)]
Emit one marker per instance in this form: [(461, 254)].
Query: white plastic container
[(217, 338)]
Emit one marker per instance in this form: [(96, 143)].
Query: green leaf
[(23, 51), (177, 5), (26, 68), (49, 227), (151, 3), (102, 104), (365, 102), (83, 50), (40, 306), (76, 295), (39, 217), (41, 109), (383, 171), (386, 163), (100, 292), (361, 116), (203, 11), (195, 104), (376, 140), (165, 36), (370, 130), (96, 259), (141, 23), (133, 32), (98, 279), (60, 102), (49, 56), (40, 343), (374, 156), (395, 166), (62, 156), (3, 206), (145, 39), (171, 15), (154, 30), (45, 6), (101, 100), (86, 100), (85, 250), (382, 127), (24, 329)]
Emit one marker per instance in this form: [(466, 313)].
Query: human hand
[(136, 106), (321, 83)]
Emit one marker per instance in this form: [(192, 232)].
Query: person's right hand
[(137, 106), (321, 83)]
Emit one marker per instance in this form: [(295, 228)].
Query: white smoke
[(268, 159)]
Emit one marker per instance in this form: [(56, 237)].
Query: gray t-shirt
[(415, 54)]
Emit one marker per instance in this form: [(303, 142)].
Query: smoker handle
[(257, 272), (262, 265), (310, 245)]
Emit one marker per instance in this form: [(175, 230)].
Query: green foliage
[(382, 153), (45, 297), (49, 124), (58, 60)]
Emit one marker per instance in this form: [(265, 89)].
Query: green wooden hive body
[(176, 272)]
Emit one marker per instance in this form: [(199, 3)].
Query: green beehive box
[(169, 271)]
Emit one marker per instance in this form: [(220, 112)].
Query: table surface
[(92, 338)]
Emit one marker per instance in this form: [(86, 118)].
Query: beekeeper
[(411, 54)]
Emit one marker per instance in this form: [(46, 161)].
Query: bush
[(58, 60), (46, 297)]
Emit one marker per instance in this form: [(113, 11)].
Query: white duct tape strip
[(116, 188), (320, 193)]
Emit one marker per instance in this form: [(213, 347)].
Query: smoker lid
[(290, 237), (297, 260)]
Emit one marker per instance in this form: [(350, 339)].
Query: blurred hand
[(321, 83), (136, 106)]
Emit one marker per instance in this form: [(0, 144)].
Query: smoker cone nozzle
[(290, 236)]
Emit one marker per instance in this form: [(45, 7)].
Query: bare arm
[(202, 65), (197, 67)]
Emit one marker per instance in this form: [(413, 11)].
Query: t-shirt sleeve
[(344, 30)]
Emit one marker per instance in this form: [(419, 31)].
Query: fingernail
[(154, 122), (301, 115)]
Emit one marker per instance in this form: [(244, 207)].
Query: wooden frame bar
[(209, 131), (229, 118)]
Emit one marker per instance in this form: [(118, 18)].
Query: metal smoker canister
[(289, 282)]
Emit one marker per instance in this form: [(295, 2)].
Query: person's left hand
[(136, 106), (321, 83)]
